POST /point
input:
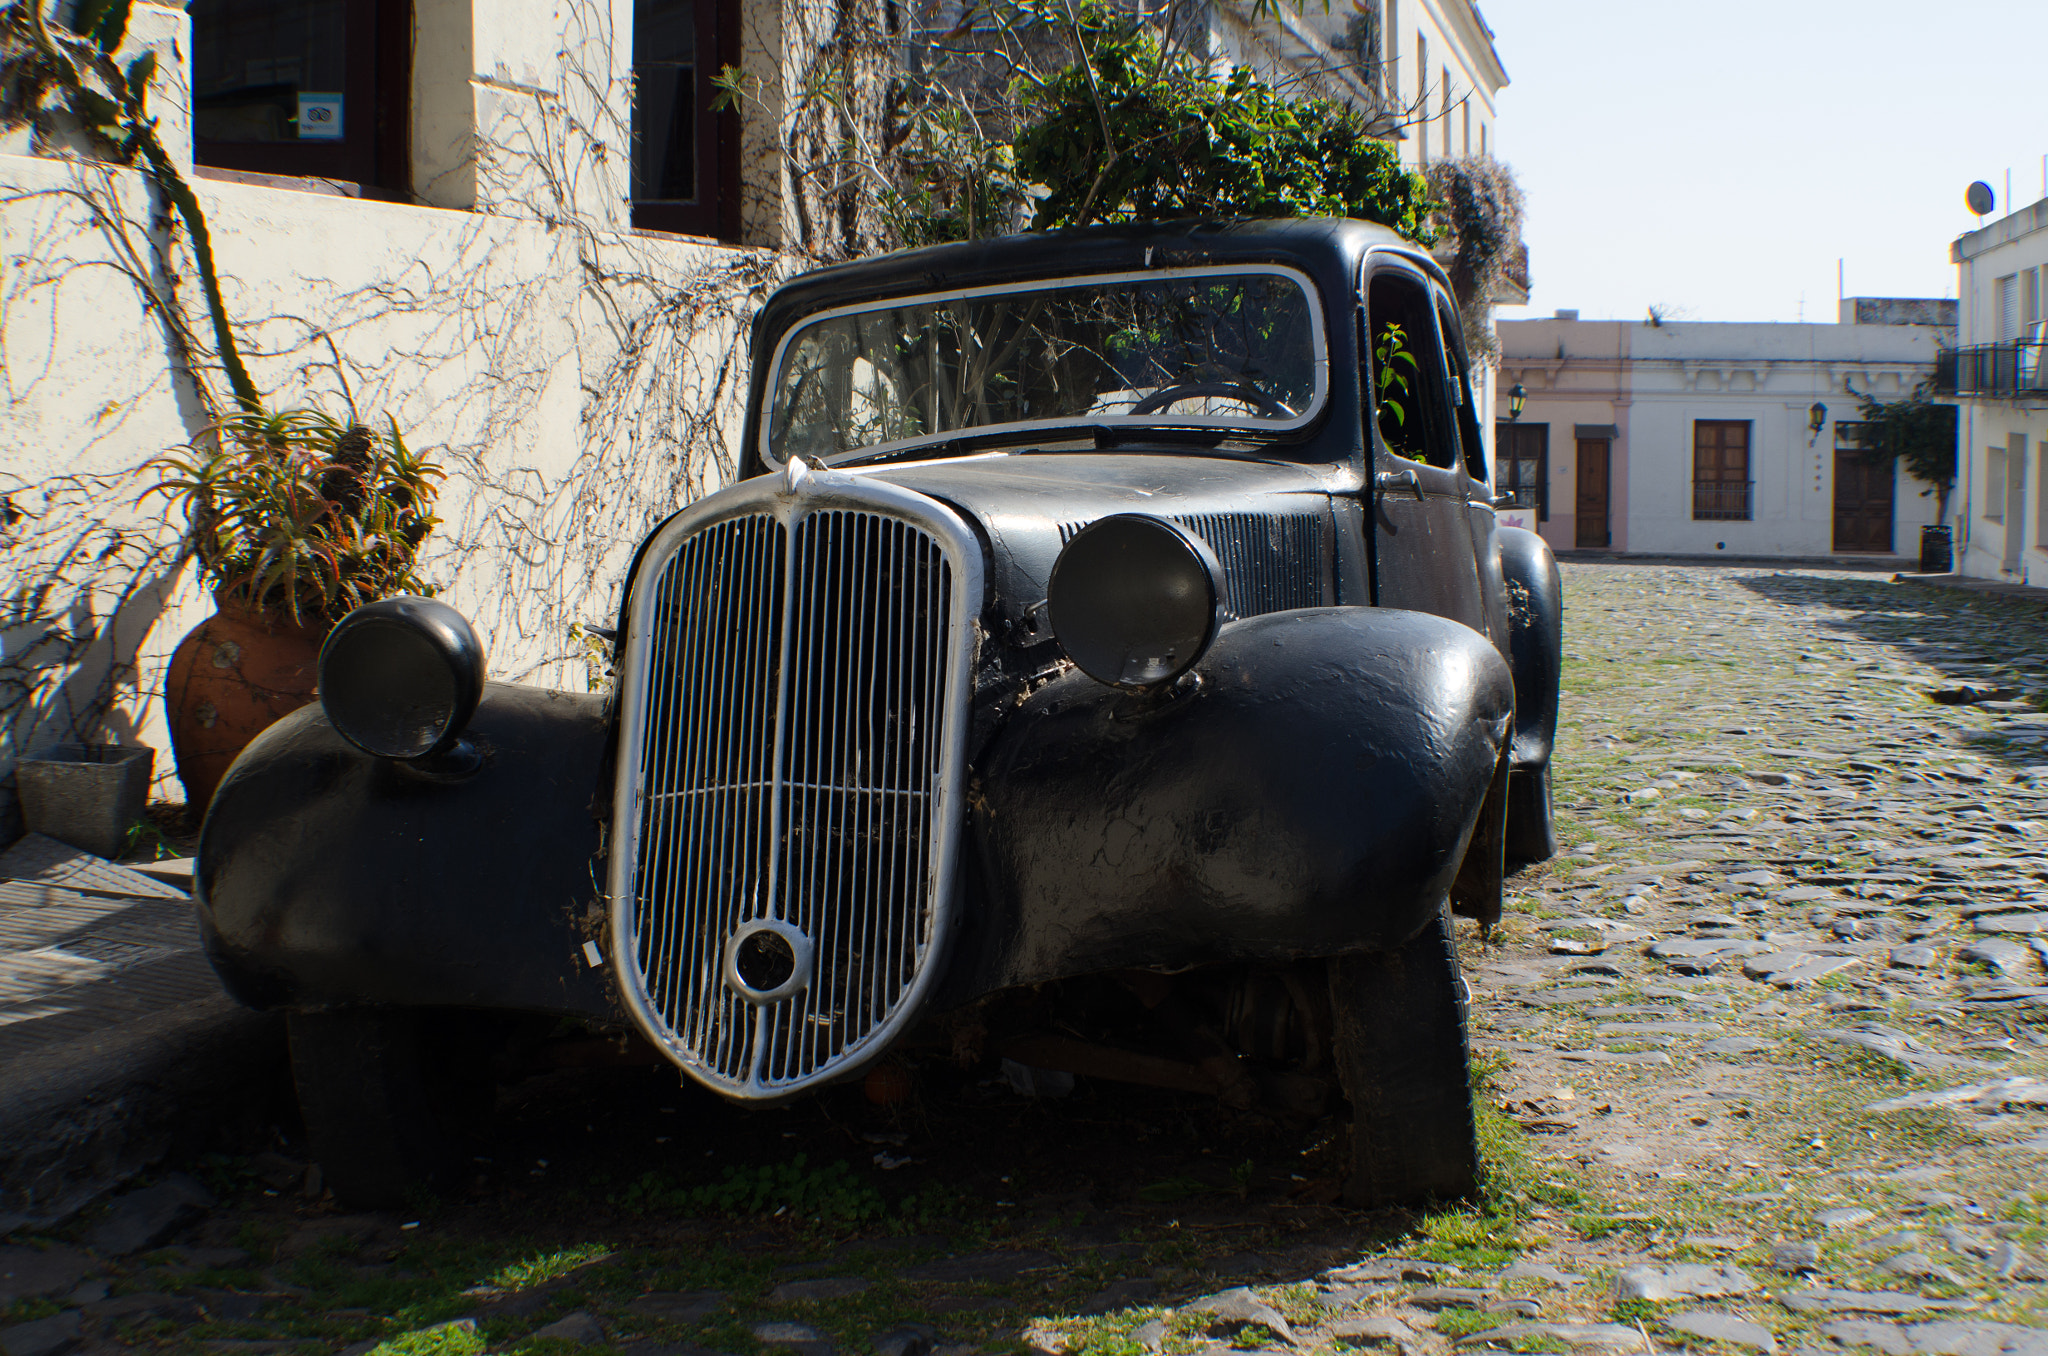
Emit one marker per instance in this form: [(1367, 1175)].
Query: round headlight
[(1135, 600), (400, 678)]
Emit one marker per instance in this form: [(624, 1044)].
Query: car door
[(1480, 515), (1422, 548)]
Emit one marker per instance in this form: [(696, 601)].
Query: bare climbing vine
[(579, 383)]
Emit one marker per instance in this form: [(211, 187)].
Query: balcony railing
[(2013, 370), (1716, 500)]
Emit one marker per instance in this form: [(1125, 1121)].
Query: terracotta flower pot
[(229, 680)]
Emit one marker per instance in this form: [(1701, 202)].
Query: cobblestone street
[(1766, 1062), (1782, 998)]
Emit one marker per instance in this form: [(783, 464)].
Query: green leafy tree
[(1915, 432), (1135, 131)]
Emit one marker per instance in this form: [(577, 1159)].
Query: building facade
[(2000, 386), (523, 232), (1709, 439), (1425, 70), (532, 235)]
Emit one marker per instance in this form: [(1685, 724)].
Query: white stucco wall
[(576, 379), (1653, 382), (2003, 520), (1447, 109)]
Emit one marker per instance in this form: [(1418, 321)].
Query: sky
[(1716, 159)]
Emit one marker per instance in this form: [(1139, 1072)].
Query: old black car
[(1115, 615)]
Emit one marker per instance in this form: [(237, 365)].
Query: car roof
[(1325, 248)]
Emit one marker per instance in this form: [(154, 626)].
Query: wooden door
[(1863, 502), (1593, 531)]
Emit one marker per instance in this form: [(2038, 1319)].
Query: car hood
[(1268, 522)]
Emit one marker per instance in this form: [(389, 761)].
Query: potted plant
[(295, 518)]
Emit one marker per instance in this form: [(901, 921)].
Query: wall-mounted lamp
[(1816, 419), (1517, 398)]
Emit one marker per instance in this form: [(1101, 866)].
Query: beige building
[(1712, 439)]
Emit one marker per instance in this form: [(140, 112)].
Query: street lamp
[(1816, 417), (1517, 398)]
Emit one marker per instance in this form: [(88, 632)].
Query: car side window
[(1405, 364), (1464, 410)]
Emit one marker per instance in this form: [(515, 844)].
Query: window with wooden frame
[(307, 88), (1720, 469), (685, 151), (1521, 454)]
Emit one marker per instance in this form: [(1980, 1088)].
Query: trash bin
[(1937, 554), (87, 795)]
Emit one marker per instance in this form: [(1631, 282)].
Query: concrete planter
[(87, 795)]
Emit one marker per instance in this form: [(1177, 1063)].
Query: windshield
[(1228, 348)]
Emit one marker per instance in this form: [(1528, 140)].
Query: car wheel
[(1398, 1021), (1532, 833), (383, 1093)]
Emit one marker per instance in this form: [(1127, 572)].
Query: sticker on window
[(319, 117)]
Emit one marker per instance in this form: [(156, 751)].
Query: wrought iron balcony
[(2014, 370), (1714, 500)]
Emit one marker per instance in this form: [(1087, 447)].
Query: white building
[(1709, 439), (521, 230), (2001, 388), (1425, 69)]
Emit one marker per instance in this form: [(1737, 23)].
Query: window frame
[(1704, 511), (1507, 432), (376, 159), (715, 214), (1081, 425), (1437, 408)]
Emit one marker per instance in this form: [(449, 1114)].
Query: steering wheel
[(1242, 391)]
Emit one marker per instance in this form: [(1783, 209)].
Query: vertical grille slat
[(795, 709), (1272, 562)]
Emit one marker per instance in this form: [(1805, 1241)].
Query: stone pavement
[(1996, 587), (113, 1030), (1783, 998)]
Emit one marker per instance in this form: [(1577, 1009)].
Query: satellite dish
[(1978, 196)]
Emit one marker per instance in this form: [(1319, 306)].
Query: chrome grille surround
[(792, 758)]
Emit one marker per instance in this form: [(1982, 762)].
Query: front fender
[(328, 877), (1535, 640), (1313, 795)]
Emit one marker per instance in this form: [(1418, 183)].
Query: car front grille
[(793, 708)]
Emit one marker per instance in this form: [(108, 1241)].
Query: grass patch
[(446, 1339), (1107, 1334), (547, 1266), (1513, 1183), (1459, 1322), (27, 1311)]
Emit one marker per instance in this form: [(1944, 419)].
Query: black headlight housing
[(400, 678), (1135, 600)]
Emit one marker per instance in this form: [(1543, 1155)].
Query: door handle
[(1501, 501), (1387, 482)]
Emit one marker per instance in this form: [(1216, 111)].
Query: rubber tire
[(380, 1100), (1532, 828), (1398, 1027)]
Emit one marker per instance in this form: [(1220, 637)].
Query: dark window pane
[(665, 134), (268, 70), (665, 30)]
